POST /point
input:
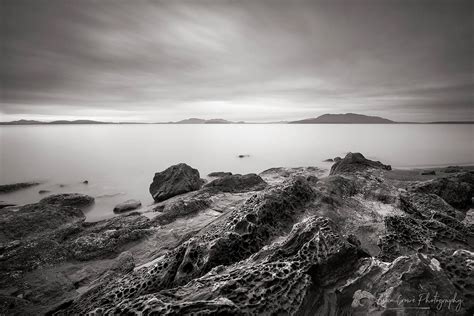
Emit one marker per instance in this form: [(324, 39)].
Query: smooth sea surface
[(119, 161)]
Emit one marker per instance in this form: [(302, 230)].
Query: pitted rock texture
[(175, 180), (353, 162), (282, 272), (237, 183), (240, 234)]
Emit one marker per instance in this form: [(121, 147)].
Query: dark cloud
[(246, 60)]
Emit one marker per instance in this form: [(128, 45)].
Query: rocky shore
[(363, 240)]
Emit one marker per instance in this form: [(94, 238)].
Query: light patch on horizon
[(239, 60)]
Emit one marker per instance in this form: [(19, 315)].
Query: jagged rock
[(356, 162), (244, 231), (180, 208), (175, 180), (425, 206), (276, 280), (411, 283), (7, 188), (237, 183), (126, 206), (69, 199), (457, 190), (219, 174)]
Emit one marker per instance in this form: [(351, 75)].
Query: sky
[(251, 60)]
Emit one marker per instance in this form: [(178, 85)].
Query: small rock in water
[(85, 182), (243, 156), (328, 160), (43, 191), (7, 188), (62, 185), (127, 206), (428, 173)]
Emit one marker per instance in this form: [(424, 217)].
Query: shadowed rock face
[(175, 180), (237, 183), (356, 162), (457, 190)]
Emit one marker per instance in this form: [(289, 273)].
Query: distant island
[(347, 118)]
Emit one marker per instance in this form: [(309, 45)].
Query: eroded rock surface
[(364, 240)]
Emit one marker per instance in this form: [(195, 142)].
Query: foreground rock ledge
[(286, 241)]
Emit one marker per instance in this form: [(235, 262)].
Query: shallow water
[(119, 161)]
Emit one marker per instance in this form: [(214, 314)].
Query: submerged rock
[(356, 162), (175, 180), (4, 204), (7, 188), (237, 183), (126, 206)]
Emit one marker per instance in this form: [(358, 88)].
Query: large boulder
[(356, 162), (175, 180), (237, 183)]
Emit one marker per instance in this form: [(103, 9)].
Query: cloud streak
[(242, 60)]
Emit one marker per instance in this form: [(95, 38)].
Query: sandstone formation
[(361, 241)]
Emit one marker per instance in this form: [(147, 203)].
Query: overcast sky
[(239, 60)]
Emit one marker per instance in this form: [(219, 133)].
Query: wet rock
[(428, 173), (457, 190), (126, 206), (219, 174), (7, 188), (337, 159), (85, 182), (243, 156), (237, 183), (180, 208), (69, 199), (175, 180), (43, 191), (36, 218), (356, 162), (4, 204), (328, 160)]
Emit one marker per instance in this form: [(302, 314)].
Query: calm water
[(119, 161)]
